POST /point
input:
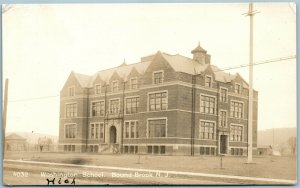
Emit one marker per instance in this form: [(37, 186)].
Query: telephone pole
[(4, 115), (250, 106)]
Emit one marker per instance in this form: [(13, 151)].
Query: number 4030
[(21, 174)]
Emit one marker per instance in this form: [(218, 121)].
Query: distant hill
[(281, 136), (32, 138)]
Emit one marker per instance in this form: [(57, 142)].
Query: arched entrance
[(113, 135)]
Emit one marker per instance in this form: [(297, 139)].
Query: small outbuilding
[(15, 142), (264, 150)]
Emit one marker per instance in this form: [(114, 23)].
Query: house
[(15, 142), (264, 150), (165, 104), (45, 144)]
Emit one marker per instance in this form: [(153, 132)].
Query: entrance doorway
[(113, 135), (223, 144)]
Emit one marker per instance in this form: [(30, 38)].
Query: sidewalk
[(262, 167)]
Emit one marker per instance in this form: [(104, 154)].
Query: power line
[(30, 99), (228, 68), (259, 63)]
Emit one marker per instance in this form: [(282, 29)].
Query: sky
[(42, 44)]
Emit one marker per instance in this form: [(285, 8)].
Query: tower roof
[(198, 49)]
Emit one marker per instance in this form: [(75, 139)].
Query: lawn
[(264, 167)]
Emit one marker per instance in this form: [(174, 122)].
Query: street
[(17, 172)]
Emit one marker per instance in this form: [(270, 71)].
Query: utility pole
[(273, 138), (4, 115), (250, 106)]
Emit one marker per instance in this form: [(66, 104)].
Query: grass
[(264, 167)]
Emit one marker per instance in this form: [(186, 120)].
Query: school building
[(165, 104)]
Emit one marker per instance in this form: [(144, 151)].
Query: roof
[(175, 61), (222, 76), (123, 71), (198, 49), (14, 136), (82, 79)]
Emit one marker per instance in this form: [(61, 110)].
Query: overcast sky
[(42, 44)]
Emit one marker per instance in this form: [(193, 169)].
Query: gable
[(115, 76), (239, 80), (158, 63), (72, 81), (209, 72)]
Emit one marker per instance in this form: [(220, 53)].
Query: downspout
[(105, 111), (87, 122), (193, 115), (218, 119), (122, 119)]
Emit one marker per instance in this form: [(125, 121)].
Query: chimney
[(207, 59)]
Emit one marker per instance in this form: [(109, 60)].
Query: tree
[(292, 144)]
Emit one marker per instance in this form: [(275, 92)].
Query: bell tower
[(199, 54)]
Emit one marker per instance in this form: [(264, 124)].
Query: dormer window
[(237, 88), (158, 77), (114, 86), (97, 89), (71, 91), (133, 83), (208, 81)]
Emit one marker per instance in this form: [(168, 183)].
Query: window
[(223, 118), (71, 91), (162, 149), (131, 129), (236, 133), (114, 106), (70, 131), (158, 77), (207, 130), (136, 129), (101, 130), (207, 150), (132, 105), (133, 83), (98, 108), (237, 151), (96, 130), (201, 150), (69, 148), (208, 81), (207, 104), (223, 95), (156, 149), (158, 101), (157, 128), (114, 86), (97, 89), (92, 131), (212, 151), (236, 109), (126, 149), (237, 88), (126, 130), (71, 110)]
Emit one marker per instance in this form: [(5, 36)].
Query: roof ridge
[(118, 67)]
